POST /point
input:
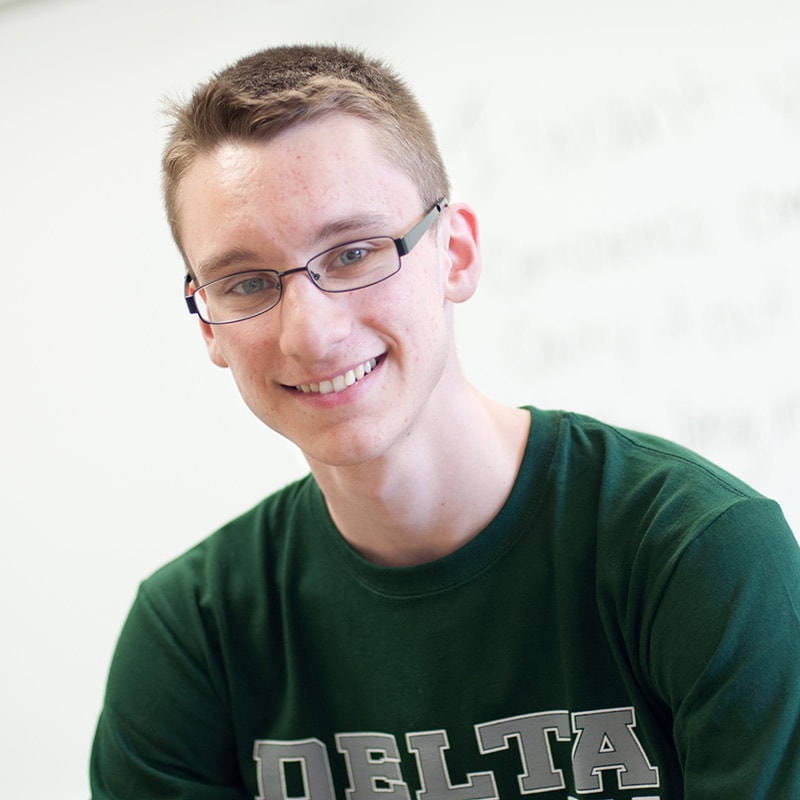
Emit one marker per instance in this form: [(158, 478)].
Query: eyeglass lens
[(344, 268)]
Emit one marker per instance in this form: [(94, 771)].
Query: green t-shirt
[(628, 626)]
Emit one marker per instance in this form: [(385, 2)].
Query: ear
[(212, 345), (460, 230)]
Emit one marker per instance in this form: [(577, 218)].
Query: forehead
[(310, 178), (317, 161)]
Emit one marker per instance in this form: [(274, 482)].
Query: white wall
[(637, 172)]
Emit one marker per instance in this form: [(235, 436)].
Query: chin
[(345, 448), (351, 456), (342, 445)]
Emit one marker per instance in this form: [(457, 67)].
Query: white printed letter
[(304, 759), (606, 740), (373, 766), (530, 730), (434, 777)]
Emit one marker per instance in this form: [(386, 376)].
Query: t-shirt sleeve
[(724, 653), (165, 727)]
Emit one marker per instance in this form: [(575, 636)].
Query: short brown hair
[(267, 92)]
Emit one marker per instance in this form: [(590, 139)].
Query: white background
[(636, 167)]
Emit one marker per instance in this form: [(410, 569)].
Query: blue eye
[(356, 256), (252, 284), (352, 256), (353, 265)]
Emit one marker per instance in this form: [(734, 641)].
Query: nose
[(311, 321)]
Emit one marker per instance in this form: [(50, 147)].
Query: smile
[(340, 382)]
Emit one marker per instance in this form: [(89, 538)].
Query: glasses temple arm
[(189, 298), (405, 244)]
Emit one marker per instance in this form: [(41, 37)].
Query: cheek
[(417, 320), (416, 295), (245, 348), (412, 319), (249, 361)]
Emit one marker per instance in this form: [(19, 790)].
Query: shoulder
[(669, 524), (642, 495), (632, 467), (242, 553)]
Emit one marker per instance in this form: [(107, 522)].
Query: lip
[(338, 383)]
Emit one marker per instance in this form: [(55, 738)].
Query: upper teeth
[(340, 381)]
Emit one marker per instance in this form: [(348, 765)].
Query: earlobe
[(463, 249), (214, 352)]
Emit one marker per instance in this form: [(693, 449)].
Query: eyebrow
[(347, 225), (213, 267)]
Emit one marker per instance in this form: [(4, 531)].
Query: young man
[(462, 601)]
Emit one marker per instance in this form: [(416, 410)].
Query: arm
[(165, 729), (724, 654)]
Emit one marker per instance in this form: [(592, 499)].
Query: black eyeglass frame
[(404, 244)]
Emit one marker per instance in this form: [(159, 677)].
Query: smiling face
[(347, 376)]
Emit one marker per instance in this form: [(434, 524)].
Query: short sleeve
[(165, 730), (724, 654)]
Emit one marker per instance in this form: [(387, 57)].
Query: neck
[(434, 493)]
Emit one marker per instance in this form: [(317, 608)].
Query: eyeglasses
[(344, 268)]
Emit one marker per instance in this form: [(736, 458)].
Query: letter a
[(606, 740)]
